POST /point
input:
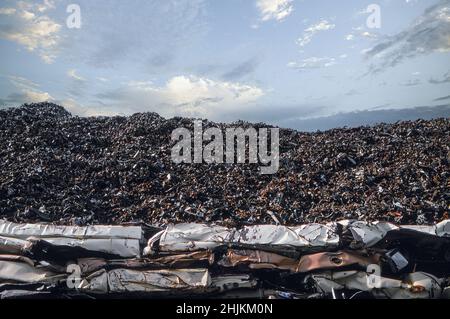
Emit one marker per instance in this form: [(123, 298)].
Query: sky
[(274, 61)]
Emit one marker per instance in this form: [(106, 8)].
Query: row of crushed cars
[(339, 260)]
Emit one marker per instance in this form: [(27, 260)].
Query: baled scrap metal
[(91, 265), (20, 270), (167, 282), (328, 260), (152, 281), (223, 283), (441, 229), (17, 258), (351, 279), (334, 260), (125, 280), (396, 260), (33, 263), (256, 259), (369, 234), (123, 241), (191, 237), (421, 285), (10, 245), (311, 235), (62, 253), (417, 285), (182, 261), (180, 257), (52, 231), (125, 248)]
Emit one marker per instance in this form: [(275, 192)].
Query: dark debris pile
[(110, 170)]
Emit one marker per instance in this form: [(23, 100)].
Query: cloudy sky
[(259, 60)]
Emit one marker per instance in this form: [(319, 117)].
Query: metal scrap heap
[(111, 170), (324, 226), (339, 260)]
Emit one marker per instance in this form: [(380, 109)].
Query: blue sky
[(260, 60)]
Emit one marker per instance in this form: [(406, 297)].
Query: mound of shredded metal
[(111, 170)]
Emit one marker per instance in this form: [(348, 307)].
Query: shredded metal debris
[(112, 170)]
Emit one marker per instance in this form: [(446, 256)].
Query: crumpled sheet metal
[(180, 281), (369, 234), (190, 237), (117, 240), (225, 283), (132, 281), (182, 261), (23, 272), (418, 285), (441, 230), (9, 245), (302, 236), (9, 229), (256, 259), (333, 260), (121, 247), (125, 248)]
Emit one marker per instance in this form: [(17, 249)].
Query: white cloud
[(360, 33), (7, 11), (312, 30), (72, 73), (429, 33), (27, 15), (274, 9), (370, 35), (181, 96), (28, 92), (35, 97), (22, 83), (19, 98), (312, 63), (46, 5), (28, 26)]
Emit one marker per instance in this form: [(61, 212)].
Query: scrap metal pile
[(340, 260), (110, 170), (63, 176)]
